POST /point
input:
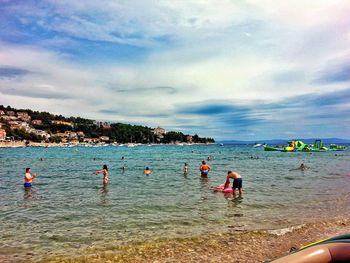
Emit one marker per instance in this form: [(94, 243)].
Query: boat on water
[(332, 250), (256, 145)]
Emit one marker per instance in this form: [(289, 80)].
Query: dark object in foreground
[(336, 249)]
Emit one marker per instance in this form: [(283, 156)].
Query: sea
[(68, 211)]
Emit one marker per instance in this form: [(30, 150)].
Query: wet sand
[(243, 246)]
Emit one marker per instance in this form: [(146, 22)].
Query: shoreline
[(22, 144), (233, 246)]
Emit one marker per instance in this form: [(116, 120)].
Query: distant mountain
[(281, 141)]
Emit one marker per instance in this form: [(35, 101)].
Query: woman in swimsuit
[(105, 173), (204, 168)]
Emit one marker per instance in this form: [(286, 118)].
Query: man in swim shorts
[(204, 168), (237, 181), (28, 178)]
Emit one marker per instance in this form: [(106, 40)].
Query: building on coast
[(22, 114), (189, 138), (2, 134), (80, 134), (103, 125), (58, 122), (159, 132), (104, 138), (25, 118), (37, 122), (91, 140), (41, 133)]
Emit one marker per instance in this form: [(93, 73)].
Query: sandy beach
[(16, 144), (255, 246)]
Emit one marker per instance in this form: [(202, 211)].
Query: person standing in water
[(185, 169), (204, 169), (147, 171), (105, 173), (237, 181), (28, 178)]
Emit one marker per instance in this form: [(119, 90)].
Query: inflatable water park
[(299, 146)]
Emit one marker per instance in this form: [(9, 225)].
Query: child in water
[(105, 173)]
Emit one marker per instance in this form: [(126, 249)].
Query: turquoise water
[(68, 211)]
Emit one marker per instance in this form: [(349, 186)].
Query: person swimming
[(210, 157), (204, 169), (185, 169), (105, 173), (147, 171), (28, 178)]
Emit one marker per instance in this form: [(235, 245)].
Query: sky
[(242, 70)]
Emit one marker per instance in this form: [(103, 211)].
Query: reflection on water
[(104, 195), (28, 193), (237, 200), (105, 189), (204, 182)]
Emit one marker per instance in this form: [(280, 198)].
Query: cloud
[(314, 100), (290, 77), (12, 72), (209, 109), (152, 90), (223, 114), (45, 92), (335, 72), (121, 111)]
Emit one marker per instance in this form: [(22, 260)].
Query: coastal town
[(25, 128)]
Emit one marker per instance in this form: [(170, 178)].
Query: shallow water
[(68, 210)]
